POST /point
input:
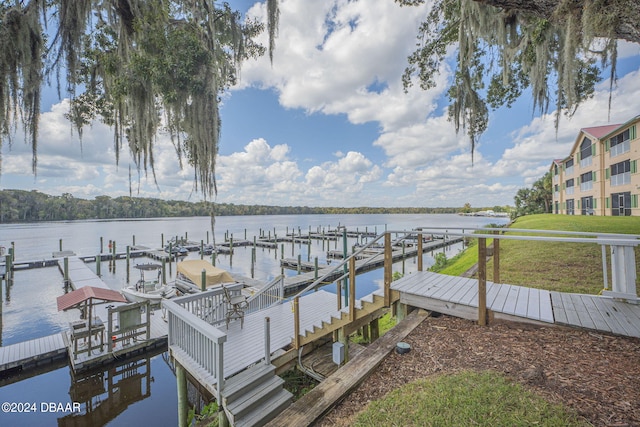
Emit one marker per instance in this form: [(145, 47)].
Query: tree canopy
[(555, 48), (141, 66), (536, 199)]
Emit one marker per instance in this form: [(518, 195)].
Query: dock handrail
[(272, 293), (196, 340)]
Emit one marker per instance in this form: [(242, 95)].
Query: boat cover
[(192, 269)]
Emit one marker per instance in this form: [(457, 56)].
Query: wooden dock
[(30, 354), (458, 296), (38, 352)]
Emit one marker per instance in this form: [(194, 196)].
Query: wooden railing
[(193, 341)]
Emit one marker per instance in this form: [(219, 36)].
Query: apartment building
[(600, 174)]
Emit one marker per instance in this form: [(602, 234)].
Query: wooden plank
[(318, 401), (533, 305), (557, 305), (609, 315), (629, 315), (546, 308), (501, 297), (582, 312), (569, 310), (492, 293), (600, 323), (512, 299), (440, 306), (442, 287), (522, 302)]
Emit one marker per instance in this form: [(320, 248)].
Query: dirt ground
[(595, 374)]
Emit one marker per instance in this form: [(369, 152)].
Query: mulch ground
[(595, 374)]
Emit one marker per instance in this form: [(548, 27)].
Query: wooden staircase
[(254, 396), (367, 309)]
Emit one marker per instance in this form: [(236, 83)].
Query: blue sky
[(328, 124)]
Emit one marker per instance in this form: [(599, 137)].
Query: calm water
[(144, 391)]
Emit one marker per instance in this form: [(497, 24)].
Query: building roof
[(79, 296), (600, 131)]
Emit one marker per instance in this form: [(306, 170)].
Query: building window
[(569, 186), (621, 204), (620, 143), (587, 205), (586, 181), (568, 167), (570, 207), (586, 152), (621, 173)]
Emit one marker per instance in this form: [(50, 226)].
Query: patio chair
[(236, 304)]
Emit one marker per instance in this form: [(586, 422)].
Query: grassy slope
[(566, 267)]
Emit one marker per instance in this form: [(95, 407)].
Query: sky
[(329, 124)]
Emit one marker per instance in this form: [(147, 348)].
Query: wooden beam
[(313, 405)]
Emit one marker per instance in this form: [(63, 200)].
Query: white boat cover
[(192, 269)]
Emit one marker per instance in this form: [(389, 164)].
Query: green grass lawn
[(465, 399), (565, 267)]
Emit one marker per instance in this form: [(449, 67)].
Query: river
[(144, 391)]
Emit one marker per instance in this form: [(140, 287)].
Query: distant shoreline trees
[(33, 206)]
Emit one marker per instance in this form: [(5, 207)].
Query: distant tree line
[(29, 206)]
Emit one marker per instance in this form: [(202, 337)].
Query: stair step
[(254, 397), (267, 411), (253, 376)]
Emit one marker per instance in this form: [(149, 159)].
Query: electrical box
[(338, 353)]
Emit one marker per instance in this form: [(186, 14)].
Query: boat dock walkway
[(458, 296)]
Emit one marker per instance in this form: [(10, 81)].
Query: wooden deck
[(245, 346), (458, 296)]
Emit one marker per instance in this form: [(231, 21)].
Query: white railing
[(209, 306), (271, 294), (201, 343), (586, 162), (570, 190), (621, 179), (620, 148), (568, 171), (586, 186)]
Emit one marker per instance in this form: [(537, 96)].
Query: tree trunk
[(625, 13)]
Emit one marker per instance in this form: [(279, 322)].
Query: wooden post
[(164, 271), (203, 280), (315, 268), (66, 270), (496, 259), (101, 244), (183, 400), (482, 281), (60, 245), (388, 266), (299, 263), (267, 341), (98, 265), (352, 289), (374, 328), (343, 337), (201, 249), (296, 323), (420, 266), (134, 240)]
